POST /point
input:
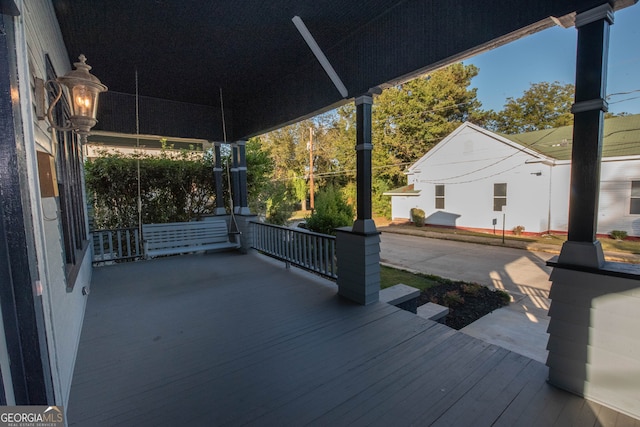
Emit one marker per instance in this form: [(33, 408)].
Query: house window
[(439, 196), (69, 173), (499, 196), (635, 198)]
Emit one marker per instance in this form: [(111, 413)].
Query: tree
[(411, 118), (543, 106), (259, 169), (288, 149), (408, 120), (331, 212)]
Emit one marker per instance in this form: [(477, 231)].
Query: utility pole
[(311, 201)]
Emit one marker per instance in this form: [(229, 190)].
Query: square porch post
[(235, 179), (358, 247), (593, 345), (582, 247), (243, 217), (217, 174), (242, 178)]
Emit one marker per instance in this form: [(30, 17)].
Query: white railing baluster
[(108, 250)]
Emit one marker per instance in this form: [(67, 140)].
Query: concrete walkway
[(522, 326), (517, 267)]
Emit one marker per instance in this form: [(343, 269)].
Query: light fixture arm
[(56, 87)]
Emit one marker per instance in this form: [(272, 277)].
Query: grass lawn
[(467, 302), (392, 276)]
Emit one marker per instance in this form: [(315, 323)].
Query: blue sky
[(550, 55)]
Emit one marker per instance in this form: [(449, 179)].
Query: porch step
[(432, 311), (401, 296)]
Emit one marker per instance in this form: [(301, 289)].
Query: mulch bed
[(467, 302)]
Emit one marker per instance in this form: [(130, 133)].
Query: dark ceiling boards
[(186, 51)]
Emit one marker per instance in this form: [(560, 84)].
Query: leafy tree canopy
[(411, 118), (408, 120), (543, 106), (331, 212)]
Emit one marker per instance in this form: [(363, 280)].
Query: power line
[(339, 172), (624, 100), (623, 93)]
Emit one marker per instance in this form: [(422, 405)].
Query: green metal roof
[(407, 190), (621, 138)]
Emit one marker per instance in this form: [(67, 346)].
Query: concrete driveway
[(520, 327)]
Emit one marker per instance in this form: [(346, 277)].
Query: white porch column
[(594, 346), (358, 248)]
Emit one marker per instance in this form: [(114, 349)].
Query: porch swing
[(182, 237)]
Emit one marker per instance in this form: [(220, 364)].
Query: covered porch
[(203, 340)]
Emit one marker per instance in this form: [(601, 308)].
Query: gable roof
[(536, 155), (407, 190), (621, 138)]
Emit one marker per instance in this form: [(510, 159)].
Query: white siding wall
[(615, 197), (469, 164), (561, 182), (38, 34), (401, 206), (594, 348)]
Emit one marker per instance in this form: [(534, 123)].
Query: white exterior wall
[(615, 196), (561, 183), (401, 206), (470, 160), (38, 34), (616, 175), (468, 163)]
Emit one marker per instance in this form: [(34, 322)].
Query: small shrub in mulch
[(467, 302)]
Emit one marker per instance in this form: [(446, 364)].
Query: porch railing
[(121, 244), (305, 249)]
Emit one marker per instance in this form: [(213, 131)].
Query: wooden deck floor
[(229, 339)]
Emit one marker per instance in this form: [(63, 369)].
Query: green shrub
[(417, 216), (173, 187), (518, 229), (331, 211), (506, 298), (278, 206), (452, 298), (472, 289), (618, 234)]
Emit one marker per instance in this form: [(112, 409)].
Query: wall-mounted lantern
[(84, 89)]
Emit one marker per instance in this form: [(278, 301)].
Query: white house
[(476, 179)]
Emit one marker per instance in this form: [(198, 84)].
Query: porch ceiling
[(187, 50)]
